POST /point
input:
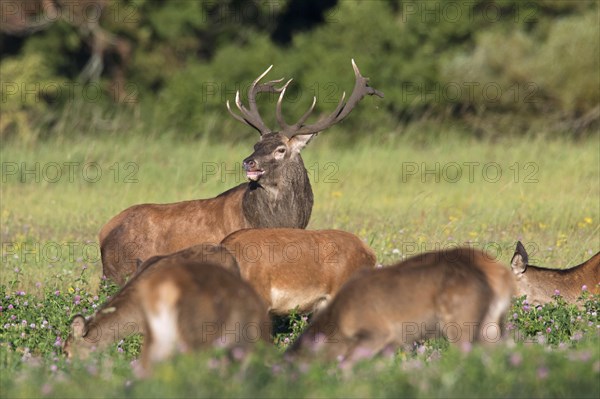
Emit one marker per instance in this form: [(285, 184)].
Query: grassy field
[(403, 195)]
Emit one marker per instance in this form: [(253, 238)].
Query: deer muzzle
[(253, 173)]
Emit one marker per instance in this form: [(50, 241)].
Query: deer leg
[(365, 346)]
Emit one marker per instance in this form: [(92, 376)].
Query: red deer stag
[(198, 306), (461, 294), (122, 314), (298, 269), (278, 193), (540, 283)]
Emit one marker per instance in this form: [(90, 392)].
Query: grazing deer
[(540, 283), (278, 193), (121, 315), (196, 306), (461, 294), (298, 269)]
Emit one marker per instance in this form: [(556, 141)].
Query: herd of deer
[(210, 272)]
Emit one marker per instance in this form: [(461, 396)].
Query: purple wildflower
[(516, 359)]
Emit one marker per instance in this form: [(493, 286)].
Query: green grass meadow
[(402, 193)]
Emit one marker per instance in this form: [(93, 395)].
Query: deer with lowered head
[(278, 193), (199, 306), (122, 315), (539, 283), (461, 294), (294, 269)]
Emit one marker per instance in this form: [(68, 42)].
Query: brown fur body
[(540, 283), (196, 306), (122, 315), (292, 268), (282, 197), (461, 294)]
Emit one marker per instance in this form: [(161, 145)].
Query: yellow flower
[(562, 239), (336, 194), (588, 220), (473, 233), (71, 290)]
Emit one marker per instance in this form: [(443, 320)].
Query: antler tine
[(252, 91), (307, 113), (246, 118), (361, 89), (236, 116), (278, 114), (298, 129), (251, 116), (356, 70)]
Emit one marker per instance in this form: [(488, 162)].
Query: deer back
[(160, 229), (461, 294), (293, 268)]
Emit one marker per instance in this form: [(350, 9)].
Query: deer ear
[(78, 326), (297, 143), (520, 259)]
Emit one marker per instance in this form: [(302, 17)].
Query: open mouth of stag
[(254, 175)]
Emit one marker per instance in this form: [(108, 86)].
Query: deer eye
[(280, 150)]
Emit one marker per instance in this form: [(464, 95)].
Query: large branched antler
[(252, 117), (361, 89)]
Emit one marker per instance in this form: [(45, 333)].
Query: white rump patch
[(163, 325)]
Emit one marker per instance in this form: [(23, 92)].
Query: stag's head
[(277, 153)]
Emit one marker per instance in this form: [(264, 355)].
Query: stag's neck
[(285, 204)]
